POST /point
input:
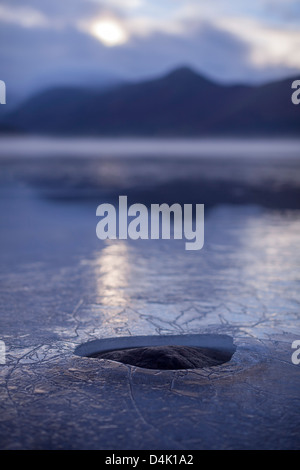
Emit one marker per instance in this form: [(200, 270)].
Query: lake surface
[(61, 287)]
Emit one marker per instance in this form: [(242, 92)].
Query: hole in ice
[(163, 352)]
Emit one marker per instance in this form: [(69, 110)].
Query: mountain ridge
[(180, 103)]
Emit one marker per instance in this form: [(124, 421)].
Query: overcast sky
[(76, 41)]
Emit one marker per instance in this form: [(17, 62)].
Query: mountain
[(181, 103)]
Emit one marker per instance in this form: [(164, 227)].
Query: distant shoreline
[(38, 146)]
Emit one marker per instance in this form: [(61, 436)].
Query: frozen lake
[(62, 287)]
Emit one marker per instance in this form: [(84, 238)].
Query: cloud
[(24, 16), (53, 14), (52, 42), (268, 45)]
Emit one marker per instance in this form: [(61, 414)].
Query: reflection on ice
[(264, 274), (273, 241), (245, 279), (112, 272)]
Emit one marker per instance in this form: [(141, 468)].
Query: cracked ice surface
[(61, 287)]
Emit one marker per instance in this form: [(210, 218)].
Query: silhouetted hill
[(7, 129), (181, 103)]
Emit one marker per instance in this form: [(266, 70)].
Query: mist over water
[(31, 146)]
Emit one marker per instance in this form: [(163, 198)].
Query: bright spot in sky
[(109, 32)]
